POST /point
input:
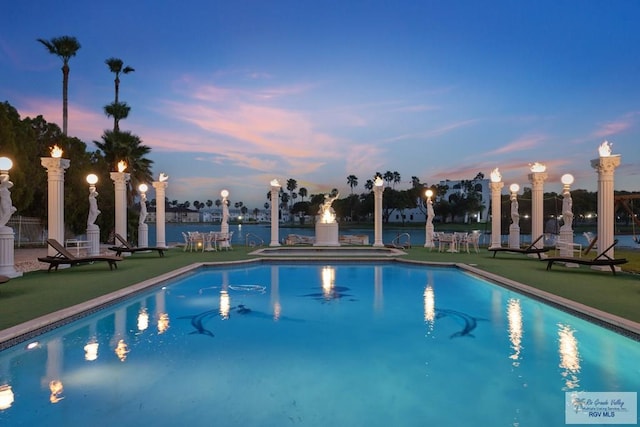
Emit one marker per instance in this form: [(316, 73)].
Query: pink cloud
[(524, 143)]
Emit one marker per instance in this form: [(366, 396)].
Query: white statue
[(515, 215), (328, 201), (143, 209), (6, 205), (225, 211), (93, 207), (567, 211), (430, 213)]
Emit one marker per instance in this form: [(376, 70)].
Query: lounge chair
[(531, 249), (3, 279), (64, 257), (125, 246), (601, 260)]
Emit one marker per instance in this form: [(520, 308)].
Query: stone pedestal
[(7, 260), (93, 236), (514, 236), (428, 238), (327, 234), (143, 235)]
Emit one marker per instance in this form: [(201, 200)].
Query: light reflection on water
[(319, 344)]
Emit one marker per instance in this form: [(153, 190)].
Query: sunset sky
[(231, 94)]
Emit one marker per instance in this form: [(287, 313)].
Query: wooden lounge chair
[(601, 260), (64, 257), (531, 249), (125, 246), (4, 279)]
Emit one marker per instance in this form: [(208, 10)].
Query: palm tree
[(127, 147), (116, 66), (352, 180), (119, 111), (303, 192), (64, 47)]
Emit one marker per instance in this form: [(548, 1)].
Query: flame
[(378, 181), (328, 217), (496, 176), (56, 389), (122, 165), (537, 167), (163, 177), (56, 152), (275, 183), (604, 149)]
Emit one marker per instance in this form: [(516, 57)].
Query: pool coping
[(27, 330)]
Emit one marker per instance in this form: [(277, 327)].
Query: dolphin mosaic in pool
[(198, 321), (469, 322)]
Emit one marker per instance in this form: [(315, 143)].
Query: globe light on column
[(514, 188), (567, 179), (5, 165), (143, 188), (92, 179)]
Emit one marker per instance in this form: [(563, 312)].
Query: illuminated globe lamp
[(5, 165), (92, 180), (514, 228), (567, 180)]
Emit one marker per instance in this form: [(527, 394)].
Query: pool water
[(320, 344)]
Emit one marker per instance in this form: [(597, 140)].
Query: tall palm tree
[(116, 66), (303, 192), (64, 47), (352, 180)]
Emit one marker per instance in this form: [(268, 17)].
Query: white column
[(275, 192), (537, 206), (160, 187), (120, 180), (496, 234), (55, 204), (378, 189), (605, 166)]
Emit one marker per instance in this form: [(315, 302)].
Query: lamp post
[(605, 165), (428, 238), (496, 185), (514, 228), (93, 231), (55, 166), (143, 228), (224, 223), (377, 211), (537, 177), (120, 179), (275, 192), (160, 185), (7, 236)]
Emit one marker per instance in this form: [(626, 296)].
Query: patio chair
[(531, 249), (4, 279), (602, 260), (64, 257), (125, 246)]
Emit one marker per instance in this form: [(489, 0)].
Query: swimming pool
[(316, 344)]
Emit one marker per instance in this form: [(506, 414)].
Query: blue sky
[(231, 94)]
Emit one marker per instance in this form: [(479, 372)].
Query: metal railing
[(28, 231)]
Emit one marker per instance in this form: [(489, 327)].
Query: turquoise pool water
[(321, 344)]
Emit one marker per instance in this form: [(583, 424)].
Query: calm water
[(173, 234), (317, 345)]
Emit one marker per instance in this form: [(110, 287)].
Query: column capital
[(160, 184), (496, 186), (120, 177), (606, 165), (538, 178), (55, 164)]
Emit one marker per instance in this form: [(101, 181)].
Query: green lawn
[(39, 293)]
